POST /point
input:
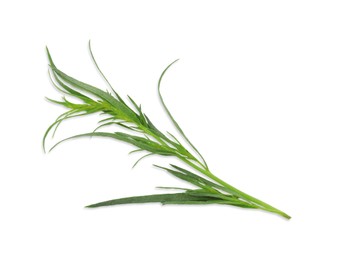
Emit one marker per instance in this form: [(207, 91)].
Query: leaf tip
[(51, 63)]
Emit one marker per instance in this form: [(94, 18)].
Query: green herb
[(140, 132)]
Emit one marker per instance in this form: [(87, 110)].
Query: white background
[(255, 90)]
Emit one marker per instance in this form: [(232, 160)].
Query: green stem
[(234, 191)]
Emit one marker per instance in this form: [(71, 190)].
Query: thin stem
[(234, 191)]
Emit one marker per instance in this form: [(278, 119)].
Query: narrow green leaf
[(107, 119), (201, 179), (67, 89), (186, 178), (102, 74), (163, 198), (141, 158), (135, 151), (103, 125), (139, 142), (172, 118)]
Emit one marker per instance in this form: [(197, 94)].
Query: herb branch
[(140, 132)]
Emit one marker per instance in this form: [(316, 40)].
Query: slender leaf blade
[(163, 198)]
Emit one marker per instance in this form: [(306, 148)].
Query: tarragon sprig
[(140, 132)]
